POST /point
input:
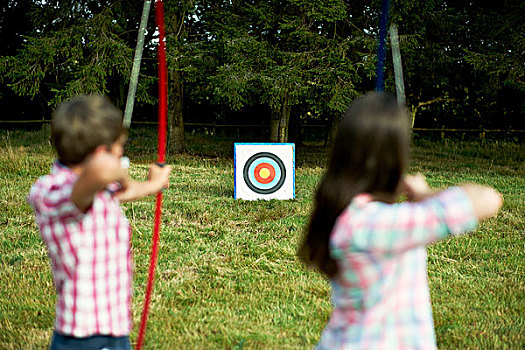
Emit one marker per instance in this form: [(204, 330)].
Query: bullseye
[(264, 173)]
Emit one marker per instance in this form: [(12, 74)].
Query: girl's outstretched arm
[(430, 215), (486, 201)]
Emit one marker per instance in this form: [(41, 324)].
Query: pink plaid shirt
[(90, 257), (381, 297)]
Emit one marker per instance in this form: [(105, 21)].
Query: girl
[(372, 247)]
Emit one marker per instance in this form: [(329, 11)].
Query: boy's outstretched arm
[(158, 179)]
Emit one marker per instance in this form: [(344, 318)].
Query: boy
[(87, 235)]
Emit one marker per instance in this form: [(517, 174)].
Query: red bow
[(163, 109)]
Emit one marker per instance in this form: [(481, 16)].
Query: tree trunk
[(175, 116), (274, 125), (176, 141), (331, 131), (280, 123), (413, 112), (285, 123)]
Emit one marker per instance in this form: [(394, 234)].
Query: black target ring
[(254, 158)]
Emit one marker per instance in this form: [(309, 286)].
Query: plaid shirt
[(381, 297), (90, 257)]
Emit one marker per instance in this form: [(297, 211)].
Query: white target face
[(264, 171)]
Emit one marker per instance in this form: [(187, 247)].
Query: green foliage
[(75, 50), (500, 32), (466, 55), (287, 53), (462, 60)]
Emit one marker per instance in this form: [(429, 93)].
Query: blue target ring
[(249, 173)]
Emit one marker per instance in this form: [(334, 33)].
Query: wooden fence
[(214, 126)]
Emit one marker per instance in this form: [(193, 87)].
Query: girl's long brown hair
[(369, 155)]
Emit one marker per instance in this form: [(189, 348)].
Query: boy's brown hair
[(82, 124)]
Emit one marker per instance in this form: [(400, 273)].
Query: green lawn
[(227, 275)]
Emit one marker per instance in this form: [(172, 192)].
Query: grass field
[(227, 275)]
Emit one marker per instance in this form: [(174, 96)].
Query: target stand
[(264, 171)]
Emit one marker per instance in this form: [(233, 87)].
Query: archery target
[(264, 171)]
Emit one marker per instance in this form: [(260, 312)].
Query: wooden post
[(398, 67), (133, 81)]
